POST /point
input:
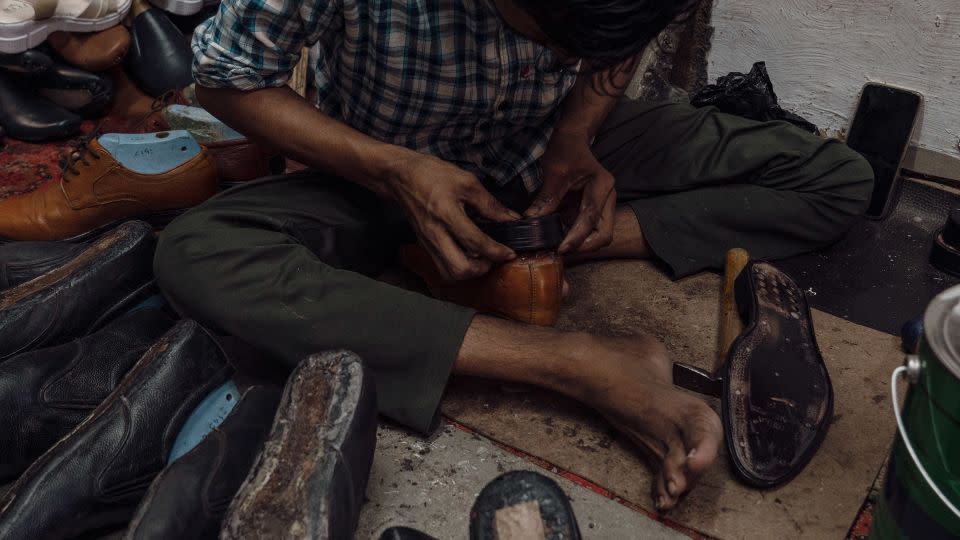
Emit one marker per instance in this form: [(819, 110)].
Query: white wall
[(819, 54)]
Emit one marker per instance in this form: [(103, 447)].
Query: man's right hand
[(435, 194)]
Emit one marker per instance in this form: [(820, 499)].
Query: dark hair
[(604, 33)]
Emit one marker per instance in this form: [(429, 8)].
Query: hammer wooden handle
[(730, 324)]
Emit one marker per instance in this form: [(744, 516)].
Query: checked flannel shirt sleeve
[(253, 44)]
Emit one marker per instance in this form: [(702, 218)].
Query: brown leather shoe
[(242, 160), (97, 192), (527, 289), (97, 51)]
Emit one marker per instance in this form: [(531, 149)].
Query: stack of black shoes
[(43, 98), (116, 413)]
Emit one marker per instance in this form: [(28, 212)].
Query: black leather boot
[(46, 393), (190, 497), (74, 89), (22, 261), (81, 295), (95, 476), (159, 59), (27, 116), (310, 479)]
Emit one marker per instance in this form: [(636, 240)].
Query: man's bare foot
[(678, 430), (681, 433), (628, 380)]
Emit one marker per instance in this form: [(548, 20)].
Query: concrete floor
[(430, 485)]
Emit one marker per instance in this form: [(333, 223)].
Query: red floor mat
[(25, 166)]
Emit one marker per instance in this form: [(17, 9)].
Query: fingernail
[(661, 502), (672, 488), (514, 215), (692, 453)]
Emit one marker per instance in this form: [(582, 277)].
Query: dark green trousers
[(287, 263)]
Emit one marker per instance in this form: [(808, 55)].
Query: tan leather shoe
[(97, 192), (98, 51), (527, 289)]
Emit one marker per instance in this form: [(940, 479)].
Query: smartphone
[(881, 130)]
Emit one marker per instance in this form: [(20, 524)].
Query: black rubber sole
[(777, 395), (532, 234)]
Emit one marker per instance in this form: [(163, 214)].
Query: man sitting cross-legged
[(431, 110)]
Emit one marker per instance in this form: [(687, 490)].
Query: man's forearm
[(591, 100), (286, 122)]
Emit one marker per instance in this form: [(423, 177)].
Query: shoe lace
[(158, 104), (78, 151)]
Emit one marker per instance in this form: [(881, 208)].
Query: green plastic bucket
[(921, 495)]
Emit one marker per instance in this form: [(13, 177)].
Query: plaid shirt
[(443, 77)]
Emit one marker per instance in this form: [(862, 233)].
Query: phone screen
[(880, 132)]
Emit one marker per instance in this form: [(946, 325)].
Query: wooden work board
[(624, 298)]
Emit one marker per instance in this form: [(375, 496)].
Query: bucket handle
[(912, 370)]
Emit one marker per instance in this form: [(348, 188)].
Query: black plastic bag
[(750, 96)]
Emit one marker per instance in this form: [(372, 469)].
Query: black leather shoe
[(94, 477), (22, 261), (27, 116), (81, 295), (74, 89), (159, 58), (190, 497), (310, 479), (46, 393), (29, 61)]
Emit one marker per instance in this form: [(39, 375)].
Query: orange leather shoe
[(97, 192), (527, 289)]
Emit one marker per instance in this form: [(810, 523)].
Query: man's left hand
[(569, 169)]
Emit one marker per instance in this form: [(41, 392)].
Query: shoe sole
[(302, 485), (19, 37), (157, 220), (778, 398)]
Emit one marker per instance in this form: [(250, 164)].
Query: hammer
[(699, 380)]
